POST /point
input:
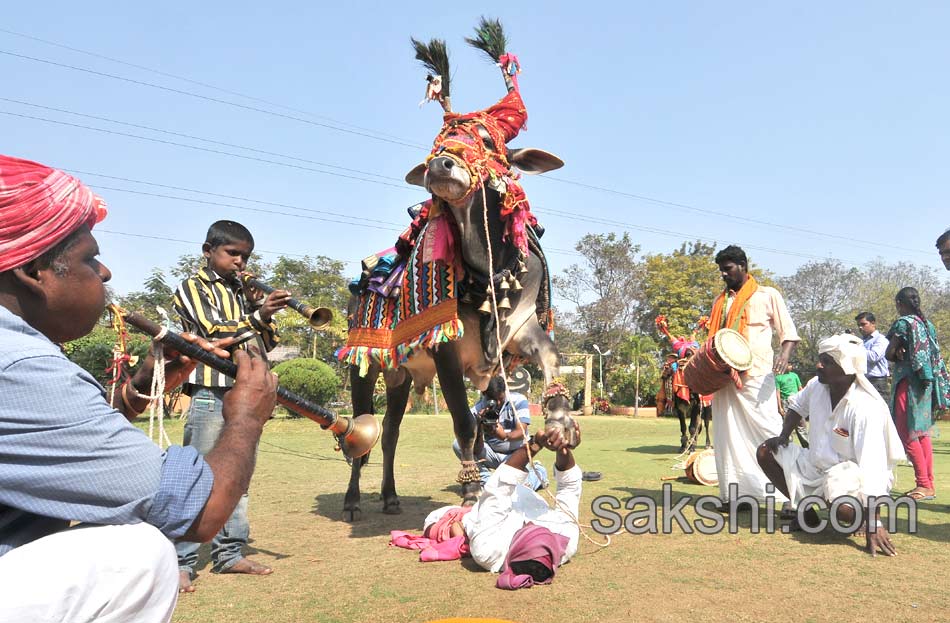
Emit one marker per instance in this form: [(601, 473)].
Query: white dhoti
[(109, 574), (804, 478), (741, 421)]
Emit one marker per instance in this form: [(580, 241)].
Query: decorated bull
[(465, 291), (679, 398)]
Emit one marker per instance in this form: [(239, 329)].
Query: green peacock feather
[(489, 38), (435, 57)]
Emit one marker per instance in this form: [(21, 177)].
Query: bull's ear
[(417, 177), (532, 161)]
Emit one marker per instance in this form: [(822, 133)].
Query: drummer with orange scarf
[(744, 418)]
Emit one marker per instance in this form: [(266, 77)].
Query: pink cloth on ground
[(436, 543)]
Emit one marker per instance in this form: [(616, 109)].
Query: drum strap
[(735, 325)]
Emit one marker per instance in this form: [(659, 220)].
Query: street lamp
[(601, 358)]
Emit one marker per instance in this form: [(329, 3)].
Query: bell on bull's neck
[(515, 285), (522, 267), (485, 307), (505, 303), (467, 298), (504, 284)]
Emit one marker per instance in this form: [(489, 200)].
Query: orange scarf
[(738, 317)]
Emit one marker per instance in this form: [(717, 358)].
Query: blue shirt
[(515, 409), (66, 455), (876, 345)]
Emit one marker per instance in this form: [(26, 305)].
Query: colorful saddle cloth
[(391, 323)]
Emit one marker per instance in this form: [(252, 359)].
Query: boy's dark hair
[(943, 238), (733, 254), (227, 232), (865, 316)]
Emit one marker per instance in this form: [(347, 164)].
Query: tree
[(157, 293), (820, 300), (604, 289), (681, 286), (319, 282), (623, 379)]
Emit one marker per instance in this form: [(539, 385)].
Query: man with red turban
[(68, 455)]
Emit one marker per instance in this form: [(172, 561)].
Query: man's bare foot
[(250, 567), (184, 582)]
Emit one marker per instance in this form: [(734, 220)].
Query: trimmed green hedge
[(311, 378)]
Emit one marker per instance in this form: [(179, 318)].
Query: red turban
[(39, 207)]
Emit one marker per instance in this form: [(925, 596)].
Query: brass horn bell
[(356, 436), (515, 285), (504, 303), (485, 307)]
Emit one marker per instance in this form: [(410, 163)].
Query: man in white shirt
[(853, 444)]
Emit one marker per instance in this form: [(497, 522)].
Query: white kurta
[(505, 507), (743, 419), (852, 449)]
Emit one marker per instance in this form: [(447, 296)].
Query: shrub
[(311, 378)]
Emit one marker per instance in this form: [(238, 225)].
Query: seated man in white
[(853, 445)]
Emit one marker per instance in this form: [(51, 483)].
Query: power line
[(848, 239), (204, 149), (223, 196), (210, 99), (238, 207), (745, 219), (680, 235), (198, 138), (199, 83)]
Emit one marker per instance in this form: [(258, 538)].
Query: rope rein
[(527, 446)]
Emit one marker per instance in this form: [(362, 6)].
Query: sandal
[(919, 493)]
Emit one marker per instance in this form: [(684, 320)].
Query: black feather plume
[(489, 38), (435, 58)]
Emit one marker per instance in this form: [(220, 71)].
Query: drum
[(701, 468), (718, 362)]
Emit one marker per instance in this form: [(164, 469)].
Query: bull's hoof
[(391, 506), (352, 514)]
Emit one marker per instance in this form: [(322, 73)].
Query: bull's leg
[(707, 417), (678, 407), (362, 395), (693, 423), (449, 367), (396, 398)]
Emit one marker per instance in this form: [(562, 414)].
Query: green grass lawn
[(328, 570)]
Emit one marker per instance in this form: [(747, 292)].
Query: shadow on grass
[(671, 450), (373, 521)]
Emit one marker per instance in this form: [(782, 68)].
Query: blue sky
[(825, 117)]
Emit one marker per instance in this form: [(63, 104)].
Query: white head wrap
[(848, 352)]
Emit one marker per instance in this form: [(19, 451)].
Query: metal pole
[(601, 358), (435, 398), (636, 386)]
